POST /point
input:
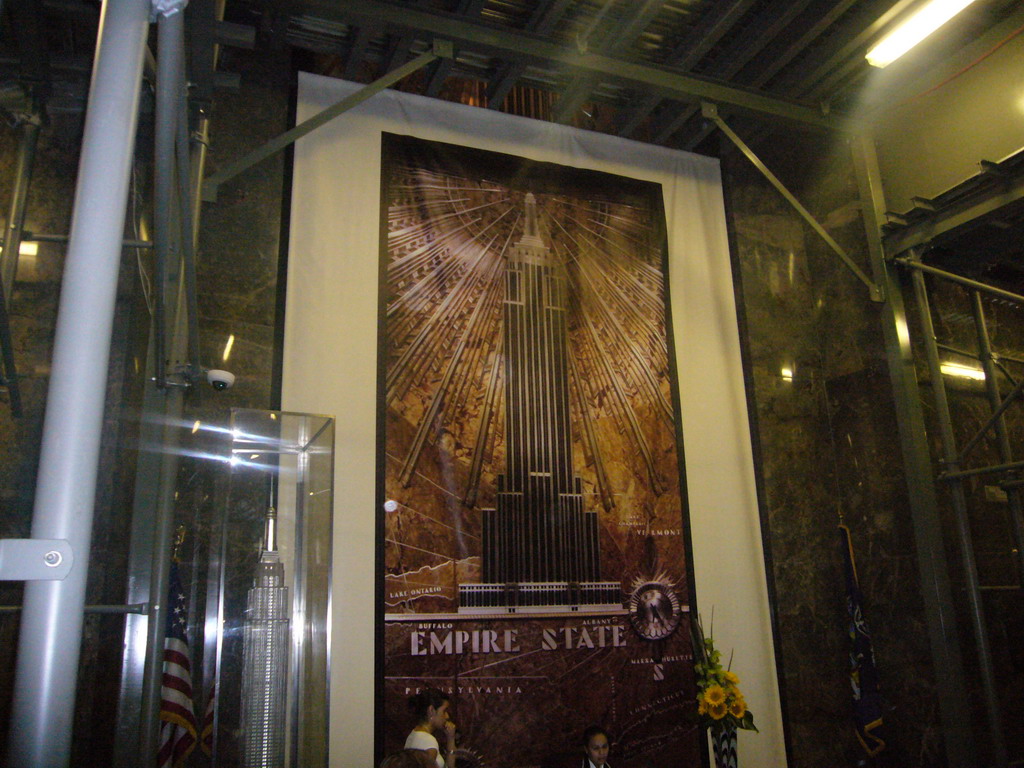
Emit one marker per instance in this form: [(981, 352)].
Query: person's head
[(595, 745), (408, 758), (429, 707)]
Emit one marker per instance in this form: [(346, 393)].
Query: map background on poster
[(524, 685)]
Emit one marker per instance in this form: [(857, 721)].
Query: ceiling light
[(227, 347), (787, 374), (964, 371), (26, 249), (922, 23)]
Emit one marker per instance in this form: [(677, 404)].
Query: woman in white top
[(430, 708)]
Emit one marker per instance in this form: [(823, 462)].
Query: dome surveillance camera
[(220, 380)]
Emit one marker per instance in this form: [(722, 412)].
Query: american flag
[(178, 719), (206, 735)]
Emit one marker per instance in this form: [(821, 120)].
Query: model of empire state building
[(540, 547), (265, 659)]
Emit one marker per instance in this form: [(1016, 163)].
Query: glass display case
[(266, 659)]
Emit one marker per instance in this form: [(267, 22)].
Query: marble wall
[(822, 410), (825, 435), (828, 446)]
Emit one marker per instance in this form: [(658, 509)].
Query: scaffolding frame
[(898, 248)]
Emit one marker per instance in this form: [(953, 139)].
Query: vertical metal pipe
[(188, 230), (165, 130), (10, 368), (963, 529), (164, 408), (19, 196), (170, 73), (12, 246), (936, 591), (51, 629), (1005, 451)]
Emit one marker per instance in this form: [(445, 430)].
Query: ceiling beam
[(357, 51), (441, 68), (508, 44), (846, 49), (750, 44), (622, 35), (690, 50), (542, 22)]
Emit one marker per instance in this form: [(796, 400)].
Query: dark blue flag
[(867, 699)]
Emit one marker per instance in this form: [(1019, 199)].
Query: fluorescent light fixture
[(787, 374), (963, 371), (922, 23), (228, 346), (26, 249)]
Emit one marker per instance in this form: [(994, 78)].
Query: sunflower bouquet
[(720, 704)]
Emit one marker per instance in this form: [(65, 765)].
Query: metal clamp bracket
[(35, 559)]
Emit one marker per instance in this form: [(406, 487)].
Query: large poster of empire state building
[(533, 535)]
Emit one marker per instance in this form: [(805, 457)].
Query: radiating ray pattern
[(447, 239), (529, 437)]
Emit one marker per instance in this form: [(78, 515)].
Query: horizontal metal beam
[(523, 45), (947, 219), (108, 609), (33, 237), (966, 281), (990, 470)]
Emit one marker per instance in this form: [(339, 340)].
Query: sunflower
[(714, 695), (702, 706), (717, 711), (738, 708), (731, 677)]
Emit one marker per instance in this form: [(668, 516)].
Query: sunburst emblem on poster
[(654, 609)]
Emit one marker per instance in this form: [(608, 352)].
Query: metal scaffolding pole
[(30, 126), (996, 416), (956, 491), (51, 630), (965, 281), (936, 591), (1013, 495), (170, 113)]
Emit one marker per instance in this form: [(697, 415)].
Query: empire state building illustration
[(540, 546), (266, 641)]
